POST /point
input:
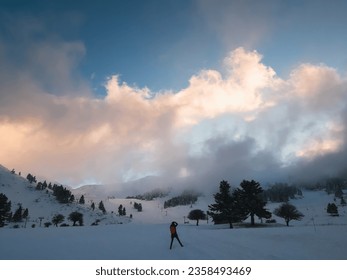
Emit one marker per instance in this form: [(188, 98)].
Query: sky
[(198, 91)]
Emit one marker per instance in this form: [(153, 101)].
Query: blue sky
[(166, 87), (161, 44)]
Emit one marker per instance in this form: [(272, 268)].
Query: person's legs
[(172, 238), (179, 241)]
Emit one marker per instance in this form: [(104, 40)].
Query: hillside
[(42, 205), (146, 235)]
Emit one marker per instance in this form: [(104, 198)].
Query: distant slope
[(42, 204)]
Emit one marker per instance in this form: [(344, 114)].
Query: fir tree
[(252, 201), (102, 207), (124, 212), (120, 210), (81, 201), (332, 209), (25, 213), (93, 206), (17, 216), (227, 207), (62, 194), (31, 178), (138, 206), (5, 209)]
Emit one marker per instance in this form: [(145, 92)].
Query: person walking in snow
[(174, 234)]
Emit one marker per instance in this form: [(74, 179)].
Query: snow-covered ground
[(151, 241), (146, 236)]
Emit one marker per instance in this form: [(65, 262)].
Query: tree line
[(246, 201), (187, 197)]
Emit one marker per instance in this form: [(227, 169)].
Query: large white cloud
[(263, 121)]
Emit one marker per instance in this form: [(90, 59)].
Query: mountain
[(43, 205), (146, 235), (124, 189)]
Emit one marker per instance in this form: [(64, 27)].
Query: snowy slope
[(146, 236), (151, 241), (43, 204)]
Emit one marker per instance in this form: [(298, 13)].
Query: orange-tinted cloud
[(133, 132)]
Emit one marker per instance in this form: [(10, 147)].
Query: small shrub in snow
[(332, 209)]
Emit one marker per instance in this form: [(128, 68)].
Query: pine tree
[(62, 194), (138, 206), (227, 207), (332, 209), (25, 213), (252, 201), (31, 178), (102, 207), (120, 210), (124, 212), (17, 216), (5, 209), (288, 212), (93, 206), (81, 201)]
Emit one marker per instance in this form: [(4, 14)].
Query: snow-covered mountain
[(146, 235), (42, 205)]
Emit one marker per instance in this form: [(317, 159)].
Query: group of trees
[(43, 185), (6, 214), (101, 205), (186, 198), (335, 186), (121, 210), (74, 217), (63, 195), (5, 209), (138, 206), (150, 195), (233, 206), (31, 178), (281, 192), (20, 214)]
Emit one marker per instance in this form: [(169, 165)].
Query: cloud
[(239, 122)]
